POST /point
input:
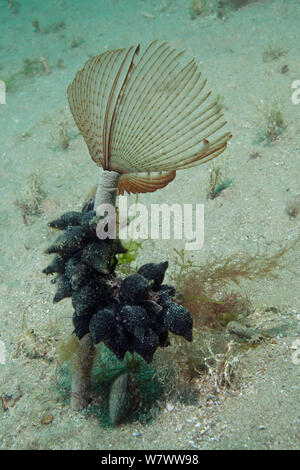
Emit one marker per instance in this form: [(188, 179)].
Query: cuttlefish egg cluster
[(131, 314)]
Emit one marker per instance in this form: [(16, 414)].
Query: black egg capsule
[(154, 272), (179, 321), (86, 217), (81, 324), (103, 325), (148, 346), (89, 223), (163, 337), (88, 205), (71, 241), (165, 289), (68, 219), (77, 271), (117, 246), (134, 289), (63, 288), (133, 317), (90, 296), (119, 344), (98, 256), (56, 266)]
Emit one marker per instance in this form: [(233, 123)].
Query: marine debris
[(30, 203), (293, 207), (32, 67), (220, 8), (273, 53), (217, 183), (275, 124), (52, 28)]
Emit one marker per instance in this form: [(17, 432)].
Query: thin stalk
[(84, 355)]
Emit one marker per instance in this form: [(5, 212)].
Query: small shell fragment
[(47, 419)]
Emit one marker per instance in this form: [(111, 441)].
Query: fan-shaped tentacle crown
[(146, 116)]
